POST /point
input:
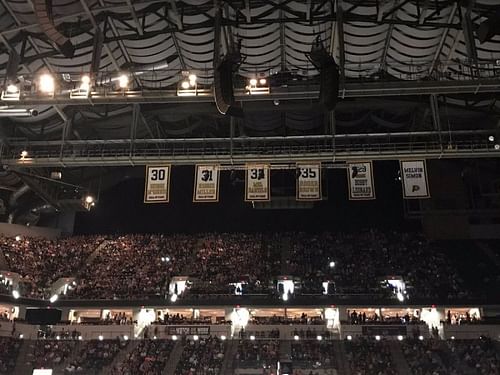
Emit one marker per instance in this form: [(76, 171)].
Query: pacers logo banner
[(360, 180), (257, 182), (308, 182), (414, 179), (206, 183), (157, 188)]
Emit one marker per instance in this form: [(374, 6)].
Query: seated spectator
[(204, 356)]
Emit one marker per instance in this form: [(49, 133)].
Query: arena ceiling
[(406, 67)]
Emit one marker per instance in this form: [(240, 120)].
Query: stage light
[(123, 81), (89, 199), (54, 298), (377, 338), (262, 81), (85, 85), (252, 337), (400, 338), (15, 294), (349, 338), (319, 337), (185, 85), (491, 138), (192, 79), (47, 84), (253, 82), (83, 91), (11, 92), (24, 154), (196, 337), (296, 338), (101, 338)]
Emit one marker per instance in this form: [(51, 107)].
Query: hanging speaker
[(329, 85), (223, 90)]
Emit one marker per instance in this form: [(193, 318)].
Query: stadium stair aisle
[(398, 358), (285, 350), (96, 252), (173, 359), (23, 364), (285, 245), (228, 364), (340, 358), (120, 357)]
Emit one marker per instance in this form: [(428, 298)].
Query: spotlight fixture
[(497, 147), (491, 138), (47, 85), (11, 92), (257, 86), (89, 199), (123, 81), (24, 154), (192, 79), (83, 91), (185, 85)]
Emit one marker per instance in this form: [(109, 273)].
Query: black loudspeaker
[(329, 85), (43, 316), (223, 90), (488, 28)]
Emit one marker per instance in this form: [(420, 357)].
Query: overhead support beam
[(177, 19), (248, 11), (444, 35), (422, 11), (341, 44), (282, 41), (395, 9), (468, 30), (134, 16), (98, 30), (436, 119), (388, 38)]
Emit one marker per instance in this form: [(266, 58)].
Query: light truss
[(234, 151)]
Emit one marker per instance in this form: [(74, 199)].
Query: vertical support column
[(470, 42), (435, 117), (340, 31)]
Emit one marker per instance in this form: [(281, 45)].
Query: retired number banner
[(308, 182), (360, 180), (414, 179), (257, 182), (206, 183), (157, 186)]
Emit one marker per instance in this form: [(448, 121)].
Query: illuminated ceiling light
[(12, 89), (491, 138), (11, 92), (15, 294), (89, 199), (185, 85), (47, 84), (192, 79), (253, 82), (332, 264), (123, 81), (262, 81)]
